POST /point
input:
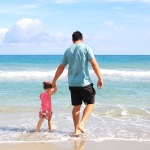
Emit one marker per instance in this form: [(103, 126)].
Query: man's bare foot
[(77, 132), (37, 130), (81, 128)]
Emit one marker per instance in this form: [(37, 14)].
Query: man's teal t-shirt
[(77, 57)]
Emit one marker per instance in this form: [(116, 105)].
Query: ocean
[(122, 108)]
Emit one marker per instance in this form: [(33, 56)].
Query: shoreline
[(79, 138), (77, 144)]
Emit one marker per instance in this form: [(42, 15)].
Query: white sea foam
[(29, 74), (99, 127), (41, 74), (126, 73)]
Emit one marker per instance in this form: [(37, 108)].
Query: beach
[(120, 119), (77, 145)]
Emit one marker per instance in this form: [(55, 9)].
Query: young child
[(46, 105)]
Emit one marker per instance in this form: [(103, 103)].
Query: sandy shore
[(77, 145)]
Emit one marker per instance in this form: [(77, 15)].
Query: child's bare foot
[(81, 128)]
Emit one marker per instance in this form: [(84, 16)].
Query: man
[(80, 85)]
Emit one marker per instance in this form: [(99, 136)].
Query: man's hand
[(100, 83), (54, 84)]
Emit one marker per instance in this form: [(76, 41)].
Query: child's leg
[(39, 124), (50, 123)]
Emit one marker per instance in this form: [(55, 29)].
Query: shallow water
[(122, 109)]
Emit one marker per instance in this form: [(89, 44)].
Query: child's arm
[(53, 91)]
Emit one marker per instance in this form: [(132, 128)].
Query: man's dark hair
[(77, 36)]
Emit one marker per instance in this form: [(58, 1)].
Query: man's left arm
[(96, 69), (59, 71)]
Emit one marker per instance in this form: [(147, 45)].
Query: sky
[(109, 27)]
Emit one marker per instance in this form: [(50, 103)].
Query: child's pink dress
[(46, 106)]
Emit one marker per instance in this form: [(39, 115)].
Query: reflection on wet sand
[(79, 144)]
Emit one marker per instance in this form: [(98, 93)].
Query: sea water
[(122, 108)]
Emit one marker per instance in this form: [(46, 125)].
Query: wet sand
[(76, 145)]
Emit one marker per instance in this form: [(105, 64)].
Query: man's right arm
[(96, 69), (59, 71)]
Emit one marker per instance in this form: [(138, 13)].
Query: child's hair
[(47, 85)]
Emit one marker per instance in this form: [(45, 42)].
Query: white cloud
[(112, 25), (28, 36), (17, 9), (65, 1), (142, 1), (147, 1), (79, 1), (25, 30), (2, 34), (30, 6), (30, 31), (3, 30)]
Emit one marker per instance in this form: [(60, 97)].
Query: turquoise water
[(123, 101)]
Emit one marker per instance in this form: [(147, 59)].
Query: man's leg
[(76, 117), (86, 113)]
